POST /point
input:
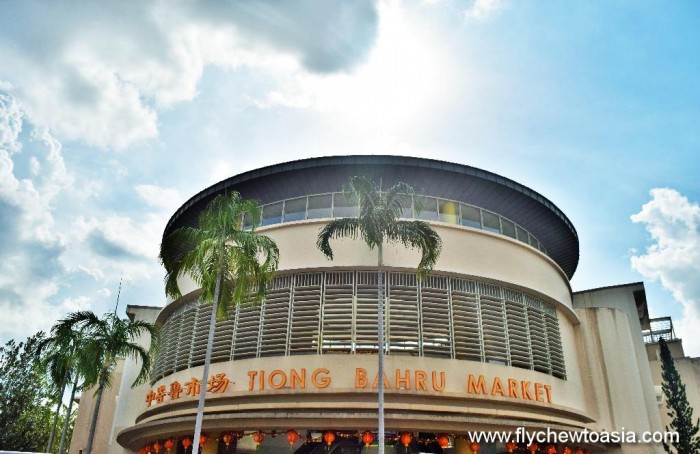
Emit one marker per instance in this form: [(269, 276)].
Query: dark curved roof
[(435, 178)]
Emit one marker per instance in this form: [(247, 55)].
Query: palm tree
[(54, 353), (378, 222), (60, 355), (231, 265), (107, 340)]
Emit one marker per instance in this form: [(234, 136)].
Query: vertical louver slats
[(223, 337), (247, 331), (200, 335), (538, 335), (465, 319), (556, 354), (403, 335), (306, 305), (336, 312), (189, 312), (366, 312), (518, 335), (275, 318), (493, 330), (435, 317)]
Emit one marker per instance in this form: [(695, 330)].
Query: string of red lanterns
[(329, 437)]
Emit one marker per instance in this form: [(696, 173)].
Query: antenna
[(119, 292)]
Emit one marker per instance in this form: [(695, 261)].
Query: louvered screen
[(338, 312), (223, 337), (556, 354), (538, 335), (184, 347), (247, 332), (518, 336), (275, 318), (366, 312), (465, 321), (403, 323), (435, 317), (200, 333), (163, 364), (174, 334), (306, 305)]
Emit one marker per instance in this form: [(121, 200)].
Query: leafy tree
[(228, 263), (26, 396), (679, 409), (107, 340), (378, 222)]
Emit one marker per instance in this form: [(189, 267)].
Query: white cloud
[(103, 72), (166, 199), (673, 257), (386, 97), (10, 123), (484, 9), (40, 315)]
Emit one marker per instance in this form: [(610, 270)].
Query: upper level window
[(336, 205)]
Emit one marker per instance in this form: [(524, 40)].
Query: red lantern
[(202, 440), (258, 438), (551, 449), (329, 437), (579, 451), (292, 436), (406, 438), (169, 444), (533, 447), (567, 450), (367, 438), (186, 443), (443, 441), (474, 446), (156, 447), (511, 445), (227, 439)]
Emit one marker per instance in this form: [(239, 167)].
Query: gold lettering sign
[(416, 380), (517, 389)]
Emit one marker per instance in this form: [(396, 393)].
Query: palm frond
[(418, 235), (337, 228)]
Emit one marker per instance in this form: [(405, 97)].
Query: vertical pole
[(380, 352), (205, 372)]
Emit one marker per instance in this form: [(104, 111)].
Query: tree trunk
[(205, 372), (93, 423), (380, 352), (66, 423), (58, 411)]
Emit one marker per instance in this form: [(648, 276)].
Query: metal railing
[(335, 205), (659, 328)]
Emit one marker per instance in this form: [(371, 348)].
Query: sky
[(112, 114)]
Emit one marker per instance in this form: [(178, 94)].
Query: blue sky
[(112, 115)]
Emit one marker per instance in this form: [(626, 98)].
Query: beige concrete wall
[(616, 373), (105, 417), (466, 251), (128, 398)]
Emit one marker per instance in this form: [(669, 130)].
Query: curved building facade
[(493, 340)]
